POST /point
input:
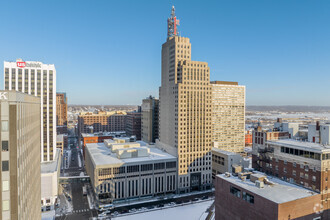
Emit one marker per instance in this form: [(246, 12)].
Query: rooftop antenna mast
[(172, 23)]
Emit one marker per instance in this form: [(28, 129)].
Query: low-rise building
[(248, 138), (253, 196), (319, 133), (122, 170), (227, 161), (291, 127), (62, 142), (101, 121), (298, 162), (50, 173), (99, 137)]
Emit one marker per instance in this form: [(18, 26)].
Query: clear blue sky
[(109, 52)]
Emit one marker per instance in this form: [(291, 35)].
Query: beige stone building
[(228, 116), (20, 156), (149, 121), (123, 170), (185, 113)]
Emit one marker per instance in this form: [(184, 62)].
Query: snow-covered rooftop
[(302, 145), (279, 192), (51, 166), (229, 153), (101, 155)]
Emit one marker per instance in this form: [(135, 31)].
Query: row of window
[(301, 153), (136, 168), (246, 196)]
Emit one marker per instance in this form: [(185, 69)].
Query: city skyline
[(272, 48)]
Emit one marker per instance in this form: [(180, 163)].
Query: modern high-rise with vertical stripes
[(38, 79)]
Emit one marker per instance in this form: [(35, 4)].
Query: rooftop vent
[(259, 184)]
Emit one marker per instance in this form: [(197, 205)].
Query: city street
[(79, 202)]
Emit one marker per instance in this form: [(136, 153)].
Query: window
[(5, 185), (5, 165), (247, 197), (4, 145), (284, 170), (146, 167), (159, 166), (294, 172), (133, 169), (306, 168), (236, 192), (294, 164), (314, 178), (5, 205), (285, 162), (306, 176), (4, 125)]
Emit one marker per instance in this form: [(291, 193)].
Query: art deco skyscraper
[(38, 79), (185, 111)]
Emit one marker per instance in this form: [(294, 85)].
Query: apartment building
[(20, 156), (228, 116), (149, 120), (124, 170), (185, 111)]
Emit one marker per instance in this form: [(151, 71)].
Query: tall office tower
[(149, 121), (20, 161), (38, 79), (228, 116), (61, 109), (185, 111)]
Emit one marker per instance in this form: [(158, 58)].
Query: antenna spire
[(172, 24)]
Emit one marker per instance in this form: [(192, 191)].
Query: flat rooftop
[(229, 153), (301, 145), (101, 134), (102, 156), (225, 83), (279, 192), (51, 166)]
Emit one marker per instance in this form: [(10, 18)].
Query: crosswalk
[(81, 210)]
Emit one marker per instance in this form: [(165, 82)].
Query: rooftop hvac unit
[(260, 184)]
